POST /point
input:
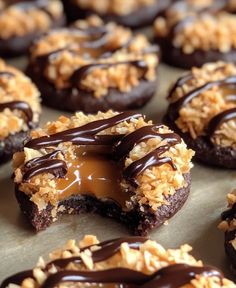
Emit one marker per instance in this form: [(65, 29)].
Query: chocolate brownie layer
[(95, 263)]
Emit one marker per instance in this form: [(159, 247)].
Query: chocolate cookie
[(131, 13), (19, 109), (117, 165), (94, 67), (203, 111), (22, 21), (99, 263), (228, 226), (193, 32)]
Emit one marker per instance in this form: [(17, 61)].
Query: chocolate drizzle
[(17, 105), (21, 106), (87, 135), (172, 276), (216, 121), (82, 72), (45, 164)]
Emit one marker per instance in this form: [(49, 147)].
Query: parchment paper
[(196, 224)]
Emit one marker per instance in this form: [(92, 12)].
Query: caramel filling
[(93, 174)]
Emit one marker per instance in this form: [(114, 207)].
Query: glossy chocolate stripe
[(179, 83), (152, 159), (39, 160), (84, 134), (175, 276), (108, 249), (219, 119), (82, 72), (56, 167), (19, 105), (116, 275), (140, 135), (17, 278)]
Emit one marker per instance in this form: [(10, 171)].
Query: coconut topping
[(95, 57), (148, 186), (22, 18), (15, 86), (206, 102)]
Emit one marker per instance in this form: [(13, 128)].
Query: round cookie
[(131, 13), (228, 226), (115, 164), (203, 111), (193, 32), (94, 67), (23, 21), (99, 263), (19, 109)]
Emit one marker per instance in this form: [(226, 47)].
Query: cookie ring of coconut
[(192, 33), (19, 109), (92, 66), (131, 13), (92, 261), (203, 111), (115, 164), (23, 21)]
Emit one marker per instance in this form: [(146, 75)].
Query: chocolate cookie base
[(10, 145), (19, 45), (74, 100), (229, 249), (136, 19), (206, 152), (139, 222), (176, 57)]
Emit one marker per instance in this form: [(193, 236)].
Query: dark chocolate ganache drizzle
[(17, 105), (21, 106), (122, 145), (172, 276), (217, 120)]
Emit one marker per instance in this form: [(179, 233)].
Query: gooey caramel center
[(95, 175)]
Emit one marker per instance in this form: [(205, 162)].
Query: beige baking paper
[(195, 224)]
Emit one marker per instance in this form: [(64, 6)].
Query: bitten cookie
[(123, 262), (131, 13), (93, 67), (228, 225), (114, 164), (203, 111), (22, 21), (193, 32), (19, 109)]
